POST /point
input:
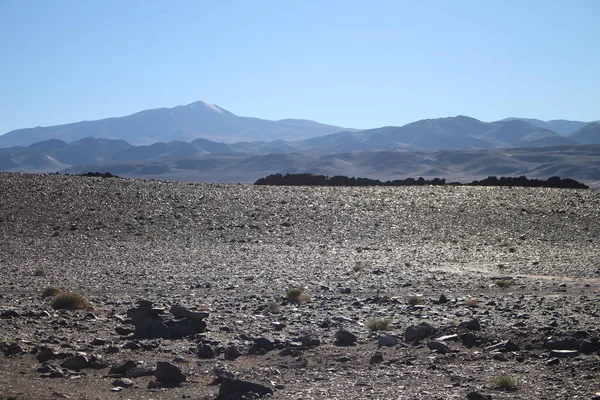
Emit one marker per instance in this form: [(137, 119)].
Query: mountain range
[(189, 122), (179, 144)]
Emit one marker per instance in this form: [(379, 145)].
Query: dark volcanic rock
[(168, 373), (472, 325), (418, 332), (236, 389), (345, 338)]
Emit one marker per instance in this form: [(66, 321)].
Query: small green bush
[(70, 301), (504, 283), (505, 382), (294, 294), (50, 291), (378, 324), (416, 301), (359, 266), (274, 307)]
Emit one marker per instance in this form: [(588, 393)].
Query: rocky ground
[(473, 289)]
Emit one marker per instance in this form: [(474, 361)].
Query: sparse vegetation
[(70, 301), (50, 291), (304, 298), (378, 324), (359, 266), (416, 300), (471, 303), (505, 382), (294, 294), (274, 307), (504, 283)]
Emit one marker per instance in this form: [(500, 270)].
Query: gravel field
[(518, 268)]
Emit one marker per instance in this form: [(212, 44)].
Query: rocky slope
[(518, 268)]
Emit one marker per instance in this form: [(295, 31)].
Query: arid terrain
[(409, 293)]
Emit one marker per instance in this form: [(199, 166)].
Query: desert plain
[(406, 292)]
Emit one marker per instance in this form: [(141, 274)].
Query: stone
[(440, 347), (77, 362), (345, 338), (168, 373), (52, 371), (206, 351), (418, 332), (136, 372), (376, 358), (387, 341), (263, 344), (447, 338), (472, 325), (443, 299), (121, 369), (506, 345), (123, 331), (98, 342), (45, 353), (10, 314), (477, 396), (559, 344), (123, 382), (231, 353), (552, 362), (309, 341), (587, 347), (236, 389), (564, 353), (180, 311)]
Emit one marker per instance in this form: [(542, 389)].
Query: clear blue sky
[(356, 64)]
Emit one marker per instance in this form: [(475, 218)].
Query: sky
[(358, 64)]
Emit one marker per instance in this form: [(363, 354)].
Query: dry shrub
[(294, 294), (378, 324), (471, 303), (70, 301), (505, 382), (416, 300), (50, 291)]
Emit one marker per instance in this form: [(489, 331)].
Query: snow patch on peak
[(213, 107)]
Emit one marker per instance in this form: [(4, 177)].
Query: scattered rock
[(231, 353), (418, 332), (168, 373), (478, 396), (564, 353), (376, 358), (154, 323), (123, 382), (345, 338), (472, 325), (236, 389), (206, 351), (77, 362), (439, 347), (387, 341)]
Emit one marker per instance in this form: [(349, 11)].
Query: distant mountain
[(53, 155), (459, 132), (561, 126), (589, 134), (577, 162), (185, 123)]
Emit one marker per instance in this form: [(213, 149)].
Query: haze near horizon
[(350, 64)]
